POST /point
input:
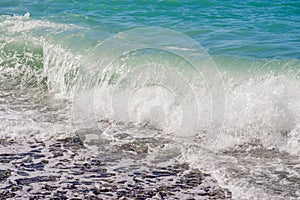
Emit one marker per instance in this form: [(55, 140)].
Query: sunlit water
[(45, 94)]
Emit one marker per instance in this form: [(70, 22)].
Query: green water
[(209, 67)]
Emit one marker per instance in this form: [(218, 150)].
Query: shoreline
[(64, 169)]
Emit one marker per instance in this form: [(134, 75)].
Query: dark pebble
[(4, 174), (27, 181), (21, 173)]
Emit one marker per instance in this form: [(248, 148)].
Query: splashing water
[(154, 100)]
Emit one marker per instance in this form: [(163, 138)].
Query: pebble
[(64, 169)]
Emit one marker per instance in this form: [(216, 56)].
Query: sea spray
[(257, 151)]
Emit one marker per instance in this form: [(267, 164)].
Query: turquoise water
[(260, 29), (220, 80)]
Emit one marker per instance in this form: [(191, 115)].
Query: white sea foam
[(258, 141)]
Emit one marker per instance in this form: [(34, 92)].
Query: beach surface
[(65, 169)]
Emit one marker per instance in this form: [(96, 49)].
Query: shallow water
[(214, 85)]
